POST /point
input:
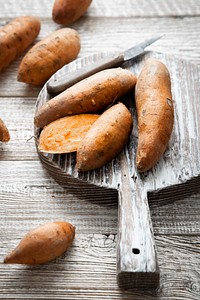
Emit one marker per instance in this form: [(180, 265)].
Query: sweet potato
[(4, 133), (49, 55), (105, 139), (68, 11), (155, 113), (64, 135), (43, 244), (15, 37), (92, 95)]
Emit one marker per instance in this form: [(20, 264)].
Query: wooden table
[(29, 196)]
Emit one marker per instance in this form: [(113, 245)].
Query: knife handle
[(56, 86)]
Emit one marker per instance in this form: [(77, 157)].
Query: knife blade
[(58, 85)]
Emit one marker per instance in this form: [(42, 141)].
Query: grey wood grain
[(34, 196), (132, 8), (89, 270), (30, 197)]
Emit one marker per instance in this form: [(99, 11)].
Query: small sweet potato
[(4, 133), (90, 95), (68, 11), (49, 55), (64, 135), (105, 139), (43, 244), (155, 113), (15, 37)]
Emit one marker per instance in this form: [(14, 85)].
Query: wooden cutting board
[(174, 177)]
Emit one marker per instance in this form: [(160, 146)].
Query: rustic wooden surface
[(174, 177), (29, 196)]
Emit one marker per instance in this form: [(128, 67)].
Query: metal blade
[(139, 49), (56, 86)]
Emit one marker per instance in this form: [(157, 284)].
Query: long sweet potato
[(92, 95), (4, 133), (49, 55), (68, 11), (105, 139), (64, 135), (15, 37), (42, 244), (155, 113)]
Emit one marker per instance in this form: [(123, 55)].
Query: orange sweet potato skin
[(15, 37), (49, 55), (105, 139), (90, 95), (155, 113), (68, 11), (43, 244), (4, 133)]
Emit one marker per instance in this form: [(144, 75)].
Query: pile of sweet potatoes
[(46, 56), (88, 118), (108, 134), (93, 95)]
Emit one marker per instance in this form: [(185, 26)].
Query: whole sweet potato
[(4, 133), (105, 139), (15, 37), (42, 244), (64, 135), (49, 55), (92, 95), (155, 113), (68, 11)]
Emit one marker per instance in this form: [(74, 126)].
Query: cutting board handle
[(137, 265)]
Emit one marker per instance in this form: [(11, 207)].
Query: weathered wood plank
[(132, 8), (181, 217), (88, 271), (180, 38), (30, 195), (29, 192)]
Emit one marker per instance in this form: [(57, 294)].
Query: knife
[(58, 85)]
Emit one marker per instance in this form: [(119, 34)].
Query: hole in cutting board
[(136, 251)]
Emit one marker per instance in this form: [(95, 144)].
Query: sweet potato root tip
[(4, 132), (64, 135), (43, 244), (91, 95), (155, 113), (105, 139)]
